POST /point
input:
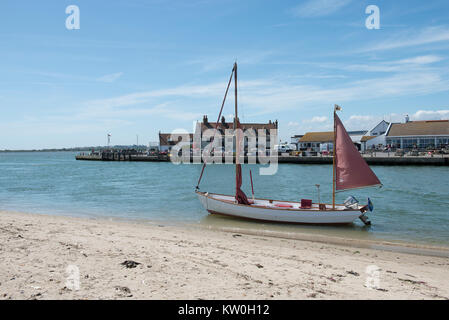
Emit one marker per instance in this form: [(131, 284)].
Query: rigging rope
[(216, 125)]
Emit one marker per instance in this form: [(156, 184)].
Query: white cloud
[(316, 120), (412, 38), (319, 8), (420, 60), (275, 97), (361, 122), (417, 63), (293, 124), (430, 115), (110, 77), (360, 118)]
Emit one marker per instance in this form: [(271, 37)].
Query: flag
[(337, 107)]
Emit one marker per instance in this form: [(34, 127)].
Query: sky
[(137, 67)]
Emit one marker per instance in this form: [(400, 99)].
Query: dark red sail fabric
[(352, 171), (240, 196)]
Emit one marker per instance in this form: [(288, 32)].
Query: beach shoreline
[(377, 244), (197, 262)]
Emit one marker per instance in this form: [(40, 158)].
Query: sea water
[(412, 205)]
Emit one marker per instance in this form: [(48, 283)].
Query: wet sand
[(55, 257)]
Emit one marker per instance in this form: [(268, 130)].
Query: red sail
[(240, 196), (352, 171)]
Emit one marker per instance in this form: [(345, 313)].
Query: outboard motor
[(351, 202)]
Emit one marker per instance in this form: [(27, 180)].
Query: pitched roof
[(420, 128), (366, 138), (386, 122), (318, 137), (165, 138)]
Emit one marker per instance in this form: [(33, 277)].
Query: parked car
[(283, 148)]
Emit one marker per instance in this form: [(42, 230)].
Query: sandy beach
[(55, 257)]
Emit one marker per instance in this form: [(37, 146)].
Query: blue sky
[(137, 67)]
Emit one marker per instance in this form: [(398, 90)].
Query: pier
[(122, 155)]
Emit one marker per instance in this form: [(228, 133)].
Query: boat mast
[(333, 161), (237, 142)]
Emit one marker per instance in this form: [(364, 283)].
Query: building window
[(410, 143), (442, 141), (426, 142), (395, 143)]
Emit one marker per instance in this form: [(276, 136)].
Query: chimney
[(276, 124), (407, 119), (223, 120), (205, 119)]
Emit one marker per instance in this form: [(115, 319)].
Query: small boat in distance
[(350, 171)]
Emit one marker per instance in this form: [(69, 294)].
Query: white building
[(380, 129), (418, 134), (312, 141), (408, 135), (295, 140), (375, 137)]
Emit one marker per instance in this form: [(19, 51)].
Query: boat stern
[(364, 209)]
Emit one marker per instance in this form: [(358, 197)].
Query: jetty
[(122, 156)]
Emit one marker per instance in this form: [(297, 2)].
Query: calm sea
[(412, 206)]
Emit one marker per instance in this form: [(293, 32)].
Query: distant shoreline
[(74, 149), (45, 150)]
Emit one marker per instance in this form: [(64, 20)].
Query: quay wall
[(389, 161), (121, 157)]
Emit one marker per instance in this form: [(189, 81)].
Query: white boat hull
[(269, 210)]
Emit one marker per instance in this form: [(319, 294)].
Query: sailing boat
[(350, 171)]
